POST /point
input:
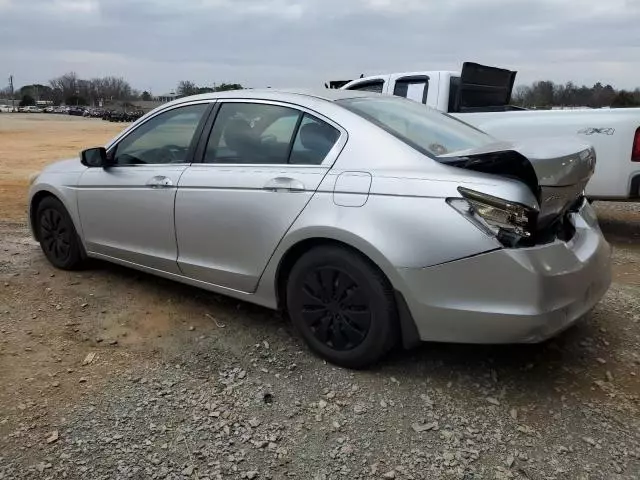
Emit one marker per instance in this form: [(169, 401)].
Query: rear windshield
[(425, 129)]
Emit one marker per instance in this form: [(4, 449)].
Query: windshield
[(425, 129)]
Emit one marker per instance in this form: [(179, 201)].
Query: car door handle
[(284, 184), (160, 181)]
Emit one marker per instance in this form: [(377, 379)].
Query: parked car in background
[(480, 95), (6, 109), (31, 109), (122, 116), (93, 112), (77, 111), (369, 220)]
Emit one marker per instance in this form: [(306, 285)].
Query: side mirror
[(94, 157)]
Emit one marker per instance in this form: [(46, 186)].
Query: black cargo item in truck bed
[(481, 88)]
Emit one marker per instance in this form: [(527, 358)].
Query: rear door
[(261, 164)]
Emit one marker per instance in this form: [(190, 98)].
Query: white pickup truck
[(480, 95)]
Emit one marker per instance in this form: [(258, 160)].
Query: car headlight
[(510, 222)]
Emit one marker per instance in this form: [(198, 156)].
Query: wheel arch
[(38, 196), (297, 249)]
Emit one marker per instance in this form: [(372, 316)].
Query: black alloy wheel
[(342, 305), (57, 235), (335, 308)]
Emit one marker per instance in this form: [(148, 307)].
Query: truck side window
[(369, 86), (414, 88), (454, 87)]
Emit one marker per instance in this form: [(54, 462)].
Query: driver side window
[(163, 139)]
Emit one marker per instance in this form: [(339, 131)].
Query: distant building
[(569, 108), (167, 97), (146, 105)]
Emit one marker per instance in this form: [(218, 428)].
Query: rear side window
[(256, 133), (313, 142), (414, 88), (375, 86), (252, 133), (454, 87)]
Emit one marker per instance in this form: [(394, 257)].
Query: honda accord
[(370, 221)]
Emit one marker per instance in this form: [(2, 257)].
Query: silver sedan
[(371, 221)]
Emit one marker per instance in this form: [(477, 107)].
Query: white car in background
[(6, 109)]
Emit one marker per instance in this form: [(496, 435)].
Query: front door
[(127, 210), (262, 164)]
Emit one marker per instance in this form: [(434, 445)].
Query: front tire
[(58, 237), (343, 306)]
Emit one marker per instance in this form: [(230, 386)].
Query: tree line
[(69, 89), (72, 90), (186, 88), (547, 94)]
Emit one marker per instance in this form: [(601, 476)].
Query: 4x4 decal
[(599, 131)]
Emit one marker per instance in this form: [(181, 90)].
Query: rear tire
[(342, 306), (58, 237)]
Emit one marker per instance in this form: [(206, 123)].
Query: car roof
[(286, 95)]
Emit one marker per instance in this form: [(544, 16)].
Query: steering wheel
[(172, 153), (269, 138)]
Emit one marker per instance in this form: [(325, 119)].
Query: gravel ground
[(114, 374)]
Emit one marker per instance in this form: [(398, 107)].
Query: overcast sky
[(279, 43)]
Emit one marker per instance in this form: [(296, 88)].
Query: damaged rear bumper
[(523, 295)]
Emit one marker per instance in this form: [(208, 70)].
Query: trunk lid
[(555, 169), (482, 87)]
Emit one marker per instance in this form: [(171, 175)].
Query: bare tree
[(65, 85), (92, 91), (186, 88)]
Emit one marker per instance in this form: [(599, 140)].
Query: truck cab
[(477, 88)]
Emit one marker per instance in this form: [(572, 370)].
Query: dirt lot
[(30, 141), (110, 373)]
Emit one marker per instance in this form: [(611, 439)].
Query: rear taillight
[(510, 222), (635, 151)]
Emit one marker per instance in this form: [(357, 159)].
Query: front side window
[(425, 129), (163, 139), (254, 133), (375, 86)]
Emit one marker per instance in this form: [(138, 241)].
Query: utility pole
[(13, 100)]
